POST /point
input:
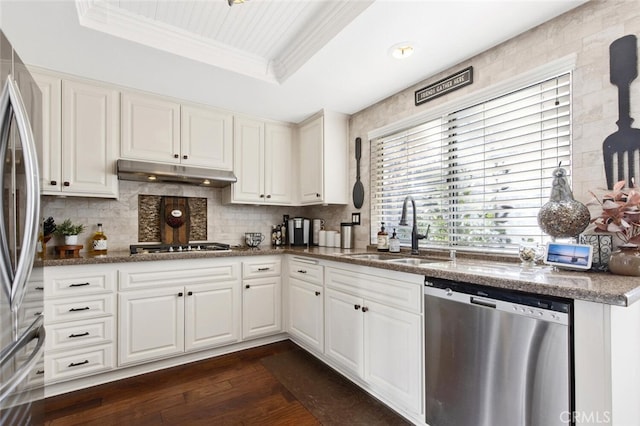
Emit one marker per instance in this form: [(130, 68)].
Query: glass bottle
[(383, 239), (394, 243), (99, 242)]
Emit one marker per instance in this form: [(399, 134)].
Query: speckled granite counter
[(500, 272)]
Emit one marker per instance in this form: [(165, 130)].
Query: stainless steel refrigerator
[(21, 329)]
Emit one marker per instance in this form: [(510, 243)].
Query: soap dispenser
[(394, 243), (383, 239)]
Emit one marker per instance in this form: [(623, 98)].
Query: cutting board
[(174, 220)]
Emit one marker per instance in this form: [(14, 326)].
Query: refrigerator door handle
[(6, 268), (35, 331), (32, 189)]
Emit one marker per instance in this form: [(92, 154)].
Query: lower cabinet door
[(212, 315), (344, 330), (306, 313), (151, 324), (261, 307), (393, 354)]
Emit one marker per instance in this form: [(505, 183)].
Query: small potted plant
[(69, 231)]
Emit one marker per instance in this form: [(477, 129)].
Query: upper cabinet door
[(207, 138), (49, 141), (150, 128), (311, 162), (249, 161), (277, 163), (89, 139)]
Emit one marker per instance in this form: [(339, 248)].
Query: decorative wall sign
[(444, 86), (624, 144)]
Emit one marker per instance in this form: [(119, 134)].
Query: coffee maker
[(299, 231)]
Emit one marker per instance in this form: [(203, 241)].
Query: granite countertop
[(501, 272)]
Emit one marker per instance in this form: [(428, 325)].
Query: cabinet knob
[(53, 183), (356, 307), (365, 309), (180, 294), (65, 183), (317, 195), (190, 293), (176, 156), (247, 286), (185, 157), (261, 195), (317, 293), (268, 195)]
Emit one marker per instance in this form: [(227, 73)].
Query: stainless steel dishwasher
[(495, 357)]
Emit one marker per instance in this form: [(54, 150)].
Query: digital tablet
[(569, 256)]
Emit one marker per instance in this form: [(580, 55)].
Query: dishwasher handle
[(482, 302)]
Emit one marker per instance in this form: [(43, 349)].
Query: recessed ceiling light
[(232, 2), (402, 50), (151, 177)]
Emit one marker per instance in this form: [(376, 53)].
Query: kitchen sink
[(372, 256), (415, 261)]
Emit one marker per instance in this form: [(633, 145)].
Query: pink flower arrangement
[(620, 213)]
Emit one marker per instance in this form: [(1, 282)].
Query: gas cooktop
[(177, 248)]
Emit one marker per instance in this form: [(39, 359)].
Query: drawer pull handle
[(302, 271), (86, 333), (365, 309), (263, 269), (39, 371), (79, 284), (37, 314), (317, 293), (39, 288), (86, 308), (75, 364), (356, 307)]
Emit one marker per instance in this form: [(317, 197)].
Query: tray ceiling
[(268, 40)]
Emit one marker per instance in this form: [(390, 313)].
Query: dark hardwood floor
[(234, 389), (276, 384)]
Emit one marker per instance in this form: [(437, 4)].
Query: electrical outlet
[(355, 218)]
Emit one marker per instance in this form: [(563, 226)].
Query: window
[(479, 174)]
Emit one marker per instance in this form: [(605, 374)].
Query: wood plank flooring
[(234, 389)]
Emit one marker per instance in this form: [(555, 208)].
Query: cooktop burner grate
[(178, 248)]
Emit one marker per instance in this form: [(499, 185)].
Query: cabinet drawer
[(79, 334), (306, 271), (396, 293), (80, 283), (80, 308), (70, 364), (155, 275), (258, 268)]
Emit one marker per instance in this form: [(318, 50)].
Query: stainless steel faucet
[(414, 230)]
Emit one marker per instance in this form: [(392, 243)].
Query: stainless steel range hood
[(142, 171)]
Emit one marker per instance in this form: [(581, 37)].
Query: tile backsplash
[(225, 223)]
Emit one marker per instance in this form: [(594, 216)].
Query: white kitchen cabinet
[(206, 137), (78, 147), (261, 296), (373, 329), (160, 129), (262, 163), (150, 128), (306, 303), (323, 159), (79, 319), (166, 310)]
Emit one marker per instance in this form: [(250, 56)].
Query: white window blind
[(478, 175)]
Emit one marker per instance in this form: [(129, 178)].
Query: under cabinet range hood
[(143, 171)]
